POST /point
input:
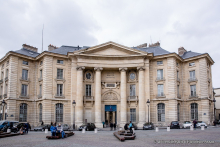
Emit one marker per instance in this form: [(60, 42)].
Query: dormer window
[(60, 61), (41, 62), (25, 62), (159, 62), (192, 64)]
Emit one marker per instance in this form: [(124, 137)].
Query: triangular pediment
[(110, 49)]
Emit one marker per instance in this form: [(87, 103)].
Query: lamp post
[(148, 103), (214, 102), (74, 104), (3, 104)]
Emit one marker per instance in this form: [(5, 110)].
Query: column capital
[(121, 69), (98, 68), (80, 68), (141, 68)]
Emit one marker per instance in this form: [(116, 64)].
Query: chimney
[(28, 47), (154, 44), (181, 51), (51, 47), (142, 45)]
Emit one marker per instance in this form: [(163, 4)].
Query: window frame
[(159, 62), (24, 111), (133, 90), (24, 90), (88, 90), (59, 90), (60, 74), (24, 75), (194, 111), (161, 110), (133, 115), (25, 62), (60, 61), (59, 112)]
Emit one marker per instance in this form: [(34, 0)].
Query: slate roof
[(63, 50), (26, 52)]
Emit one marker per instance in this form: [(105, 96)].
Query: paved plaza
[(106, 139)]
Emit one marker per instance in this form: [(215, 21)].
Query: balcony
[(88, 98), (59, 96), (5, 95), (160, 95), (60, 79), (25, 96), (6, 79), (179, 96), (160, 79), (178, 79), (39, 96), (1, 81), (24, 79), (193, 96), (40, 79), (192, 80), (132, 99)]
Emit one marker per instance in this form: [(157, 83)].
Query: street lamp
[(148, 103), (3, 104), (74, 104), (214, 103)]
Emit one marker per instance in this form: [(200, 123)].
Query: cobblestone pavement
[(106, 139)]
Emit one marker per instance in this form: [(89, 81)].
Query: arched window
[(161, 111), (59, 112), (40, 112), (194, 111), (178, 112), (23, 113)]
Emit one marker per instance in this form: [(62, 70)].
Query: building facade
[(109, 82), (217, 103)]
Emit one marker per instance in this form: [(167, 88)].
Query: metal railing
[(59, 95), (178, 79), (39, 95), (88, 98), (23, 79), (130, 98), (40, 79), (160, 79), (193, 96), (192, 80), (6, 79), (24, 95), (178, 96), (161, 95)]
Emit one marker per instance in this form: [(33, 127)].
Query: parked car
[(87, 127), (65, 127), (133, 125), (42, 127), (148, 126), (6, 123), (186, 124), (17, 126), (201, 123), (174, 125)]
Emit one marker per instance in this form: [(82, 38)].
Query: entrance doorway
[(110, 114)]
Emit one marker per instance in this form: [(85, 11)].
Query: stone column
[(98, 102), (142, 101), (79, 97), (107, 116), (123, 97), (113, 117)]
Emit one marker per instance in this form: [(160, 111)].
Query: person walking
[(42, 123), (114, 126), (103, 124), (111, 125), (26, 127), (194, 123), (60, 130)]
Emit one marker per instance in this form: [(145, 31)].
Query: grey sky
[(195, 25)]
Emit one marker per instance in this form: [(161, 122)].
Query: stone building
[(109, 82), (217, 103)]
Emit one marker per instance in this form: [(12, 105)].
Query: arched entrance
[(110, 114)]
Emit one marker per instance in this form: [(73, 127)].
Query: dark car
[(42, 127), (133, 125), (87, 127), (17, 126), (148, 126), (174, 125)]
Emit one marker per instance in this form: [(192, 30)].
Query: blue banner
[(110, 108)]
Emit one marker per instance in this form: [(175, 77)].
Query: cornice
[(200, 56)]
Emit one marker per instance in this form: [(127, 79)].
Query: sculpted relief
[(110, 95)]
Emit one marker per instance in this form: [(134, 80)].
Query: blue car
[(6, 122)]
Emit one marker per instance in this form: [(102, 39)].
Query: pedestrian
[(11, 125), (26, 126), (103, 123), (53, 130), (194, 123), (126, 127), (114, 126), (130, 127), (111, 125), (51, 123), (55, 124), (60, 130), (42, 123)]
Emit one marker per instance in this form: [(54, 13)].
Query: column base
[(99, 125), (140, 124)]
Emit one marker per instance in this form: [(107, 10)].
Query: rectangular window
[(60, 61), (192, 74), (178, 89), (25, 62), (191, 64), (177, 75), (41, 62), (24, 74), (6, 89), (133, 115), (88, 90), (24, 90), (59, 89), (193, 90), (59, 73), (41, 74), (159, 62), (1, 90), (159, 74), (160, 90), (132, 90), (2, 76), (161, 112), (6, 73), (178, 112), (40, 90)]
